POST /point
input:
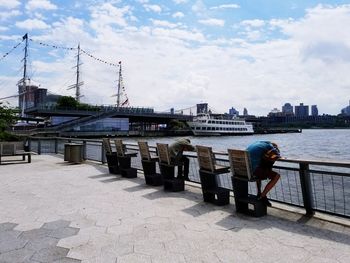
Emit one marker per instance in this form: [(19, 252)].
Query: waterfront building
[(202, 108), (233, 111), (287, 109), (346, 110), (314, 110), (275, 112), (301, 110), (245, 112)]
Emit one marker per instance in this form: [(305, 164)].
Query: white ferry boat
[(205, 124)]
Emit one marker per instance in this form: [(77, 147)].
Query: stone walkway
[(51, 210)]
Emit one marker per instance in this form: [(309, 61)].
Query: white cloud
[(31, 24), (226, 6), (9, 14), (153, 8), (180, 1), (199, 7), (178, 15), (40, 4), (212, 22), (163, 23), (253, 23), (168, 67), (107, 14), (9, 3)]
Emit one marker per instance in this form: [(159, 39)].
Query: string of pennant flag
[(12, 49), (74, 48)]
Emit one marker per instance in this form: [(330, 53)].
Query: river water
[(311, 144)]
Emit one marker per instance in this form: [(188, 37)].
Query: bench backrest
[(240, 164), (206, 158), (119, 146), (8, 148), (144, 150), (163, 152), (107, 145)]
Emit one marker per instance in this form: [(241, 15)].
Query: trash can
[(74, 152)]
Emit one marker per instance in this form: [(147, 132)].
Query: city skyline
[(179, 53)]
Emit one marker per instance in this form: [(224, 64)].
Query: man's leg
[(186, 162), (274, 179), (258, 187)]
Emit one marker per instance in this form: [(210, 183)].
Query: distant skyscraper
[(287, 109), (301, 110), (314, 110), (245, 112), (233, 111)]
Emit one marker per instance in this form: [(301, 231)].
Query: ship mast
[(119, 84), (78, 83), (24, 79)]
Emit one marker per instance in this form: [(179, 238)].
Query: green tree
[(7, 117), (67, 102)]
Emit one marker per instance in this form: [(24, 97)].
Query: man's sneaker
[(266, 201)]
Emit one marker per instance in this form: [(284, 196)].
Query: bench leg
[(23, 157), (29, 158)]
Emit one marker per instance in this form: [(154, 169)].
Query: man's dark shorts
[(264, 171)]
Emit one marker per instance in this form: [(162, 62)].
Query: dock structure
[(131, 121), (57, 212)]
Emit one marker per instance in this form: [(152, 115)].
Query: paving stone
[(67, 260), (40, 243), (12, 244), (17, 256), (9, 235), (50, 254), (64, 232), (35, 233), (7, 226), (56, 224)]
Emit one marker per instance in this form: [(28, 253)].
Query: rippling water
[(319, 144)]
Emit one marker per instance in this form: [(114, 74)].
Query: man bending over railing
[(263, 155)]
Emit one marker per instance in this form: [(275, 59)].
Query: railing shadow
[(289, 222)]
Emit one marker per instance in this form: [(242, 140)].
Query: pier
[(52, 210)]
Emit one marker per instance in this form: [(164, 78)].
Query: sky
[(254, 54)]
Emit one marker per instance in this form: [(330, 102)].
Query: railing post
[(56, 145), (306, 188), (84, 150), (39, 146), (103, 156)]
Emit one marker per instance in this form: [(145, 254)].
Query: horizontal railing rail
[(315, 185)]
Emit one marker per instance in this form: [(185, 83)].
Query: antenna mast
[(78, 83)]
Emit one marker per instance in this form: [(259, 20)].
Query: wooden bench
[(112, 158), (124, 160), (8, 149), (149, 165), (242, 173), (167, 170), (208, 171)]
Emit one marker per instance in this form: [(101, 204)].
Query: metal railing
[(322, 186)]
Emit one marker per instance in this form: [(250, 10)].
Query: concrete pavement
[(52, 211)]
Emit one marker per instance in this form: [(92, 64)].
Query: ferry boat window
[(198, 128)]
